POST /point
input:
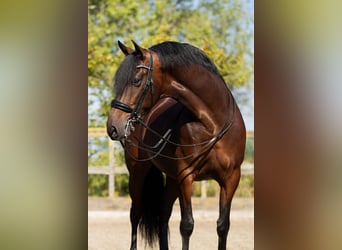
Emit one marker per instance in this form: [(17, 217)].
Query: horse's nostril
[(113, 132)]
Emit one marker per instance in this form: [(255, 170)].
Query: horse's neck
[(204, 94)]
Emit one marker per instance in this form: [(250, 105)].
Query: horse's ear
[(138, 50), (126, 50)]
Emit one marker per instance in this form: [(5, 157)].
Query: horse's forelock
[(124, 74)]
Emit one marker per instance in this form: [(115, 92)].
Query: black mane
[(173, 54)]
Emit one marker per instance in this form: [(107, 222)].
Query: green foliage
[(119, 157), (217, 26), (98, 151), (246, 186), (249, 150), (98, 185), (212, 187), (121, 184)]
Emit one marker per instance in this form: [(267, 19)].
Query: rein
[(165, 139)]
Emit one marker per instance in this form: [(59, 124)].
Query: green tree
[(249, 150), (218, 27)]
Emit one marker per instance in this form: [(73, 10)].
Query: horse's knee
[(186, 227), (222, 227)]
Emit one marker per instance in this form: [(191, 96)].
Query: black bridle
[(134, 112), (149, 83)]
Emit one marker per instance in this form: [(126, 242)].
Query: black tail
[(151, 204)]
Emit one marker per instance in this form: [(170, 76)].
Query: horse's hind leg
[(187, 220), (226, 194)]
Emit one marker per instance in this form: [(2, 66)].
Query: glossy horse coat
[(174, 114)]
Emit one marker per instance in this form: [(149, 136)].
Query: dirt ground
[(109, 226)]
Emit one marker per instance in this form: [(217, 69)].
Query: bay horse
[(174, 114)]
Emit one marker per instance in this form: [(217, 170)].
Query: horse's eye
[(136, 81)]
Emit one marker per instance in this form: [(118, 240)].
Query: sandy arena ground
[(109, 226)]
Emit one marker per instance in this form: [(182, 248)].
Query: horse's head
[(134, 89)]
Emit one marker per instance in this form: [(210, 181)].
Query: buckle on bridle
[(129, 127)]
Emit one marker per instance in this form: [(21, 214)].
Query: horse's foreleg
[(187, 220), (226, 194), (170, 195), (136, 181)]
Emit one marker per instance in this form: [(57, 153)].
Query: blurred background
[(44, 147)]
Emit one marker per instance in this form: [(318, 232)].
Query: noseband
[(135, 115)]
